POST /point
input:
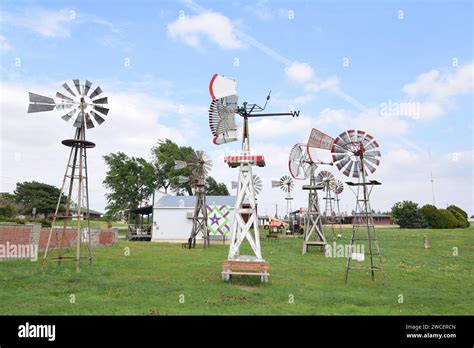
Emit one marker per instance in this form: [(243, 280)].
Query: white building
[(172, 217)]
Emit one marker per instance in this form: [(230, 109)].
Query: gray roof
[(190, 201), (91, 211)]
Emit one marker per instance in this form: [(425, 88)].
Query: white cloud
[(299, 72), (44, 22), (369, 120), (435, 90), (211, 25), (4, 44), (51, 23), (330, 83), (258, 9)]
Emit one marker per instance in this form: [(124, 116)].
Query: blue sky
[(399, 51)]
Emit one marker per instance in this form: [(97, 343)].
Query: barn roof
[(190, 201)]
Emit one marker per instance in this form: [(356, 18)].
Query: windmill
[(337, 189), (356, 154), (286, 184), (302, 165), (328, 181), (86, 111), (200, 165), (223, 126)]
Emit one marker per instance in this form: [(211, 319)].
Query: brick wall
[(33, 234), (16, 234)]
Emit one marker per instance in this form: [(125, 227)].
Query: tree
[(130, 181), (460, 215), (164, 155), (406, 214), (8, 205), (215, 189), (431, 216), (37, 195)]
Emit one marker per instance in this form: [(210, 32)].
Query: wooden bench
[(255, 268), (273, 236)]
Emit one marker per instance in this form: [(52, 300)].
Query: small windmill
[(337, 189), (286, 184), (200, 165), (223, 126), (328, 181), (356, 154), (86, 111)]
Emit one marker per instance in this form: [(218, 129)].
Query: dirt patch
[(249, 288)]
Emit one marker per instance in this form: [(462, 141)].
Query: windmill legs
[(363, 221), (199, 220), (75, 177), (313, 230), (245, 216)]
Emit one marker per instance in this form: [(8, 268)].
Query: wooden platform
[(253, 268), (318, 243)]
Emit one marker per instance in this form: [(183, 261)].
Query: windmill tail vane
[(224, 107)]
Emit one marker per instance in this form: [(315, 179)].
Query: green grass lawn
[(155, 275)]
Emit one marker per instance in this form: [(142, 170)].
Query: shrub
[(438, 218), (431, 217), (8, 210), (448, 219), (43, 222), (406, 214), (460, 215)]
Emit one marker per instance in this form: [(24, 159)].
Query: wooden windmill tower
[(200, 164), (222, 113)]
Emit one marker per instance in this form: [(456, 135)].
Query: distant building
[(173, 217), (379, 219), (93, 214)]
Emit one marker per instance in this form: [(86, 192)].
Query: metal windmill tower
[(303, 164), (286, 184), (356, 154), (200, 164), (87, 111), (337, 189), (222, 113), (328, 181)]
